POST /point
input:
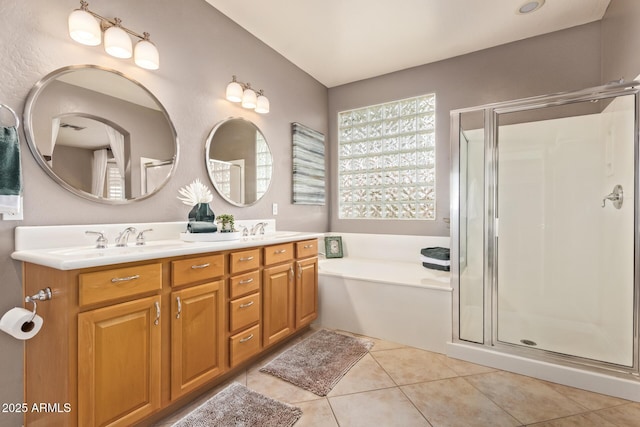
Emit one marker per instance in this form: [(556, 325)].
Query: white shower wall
[(565, 264)]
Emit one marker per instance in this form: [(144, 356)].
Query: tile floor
[(395, 385)]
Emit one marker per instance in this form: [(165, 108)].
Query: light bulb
[(117, 42), (234, 91), (146, 55), (249, 98), (84, 28), (262, 104)]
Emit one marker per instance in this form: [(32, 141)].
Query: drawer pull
[(179, 307), (244, 282), (308, 246), (244, 340), (249, 304), (249, 258), (157, 321), (281, 251), (196, 267), (125, 279)]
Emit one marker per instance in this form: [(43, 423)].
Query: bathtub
[(398, 301)]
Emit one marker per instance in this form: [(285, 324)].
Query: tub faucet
[(123, 238), (259, 226)]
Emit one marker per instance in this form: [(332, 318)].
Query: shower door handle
[(616, 196)]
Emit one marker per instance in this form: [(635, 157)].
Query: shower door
[(564, 239)]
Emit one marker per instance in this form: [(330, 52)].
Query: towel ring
[(15, 116)]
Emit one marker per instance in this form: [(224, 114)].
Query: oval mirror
[(100, 134), (239, 161)]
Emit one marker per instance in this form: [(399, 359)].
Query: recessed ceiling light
[(530, 6)]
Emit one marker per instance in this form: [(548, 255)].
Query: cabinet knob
[(244, 340), (196, 267), (249, 304), (179, 307), (157, 321), (125, 279)]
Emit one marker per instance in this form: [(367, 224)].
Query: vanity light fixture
[(86, 27), (242, 92)]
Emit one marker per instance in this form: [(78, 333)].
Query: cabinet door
[(306, 291), (119, 363), (197, 351), (278, 303)]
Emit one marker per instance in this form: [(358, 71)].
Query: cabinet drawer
[(244, 311), (244, 345), (118, 283), (307, 248), (244, 260), (244, 284), (196, 269), (278, 253)]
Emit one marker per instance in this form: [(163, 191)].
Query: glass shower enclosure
[(545, 227)]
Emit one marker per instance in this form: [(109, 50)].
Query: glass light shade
[(249, 99), (146, 55), (117, 42), (262, 105), (234, 92), (84, 28)]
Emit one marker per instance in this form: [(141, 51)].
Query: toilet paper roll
[(17, 323)]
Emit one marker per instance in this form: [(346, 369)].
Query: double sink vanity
[(133, 330), (139, 324)]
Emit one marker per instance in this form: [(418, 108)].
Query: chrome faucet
[(123, 238), (101, 242), (140, 240), (259, 226)]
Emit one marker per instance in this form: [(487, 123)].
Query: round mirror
[(100, 134), (239, 161)]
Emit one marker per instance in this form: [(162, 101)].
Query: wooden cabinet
[(244, 305), (197, 346), (306, 291), (278, 303), (306, 282), (119, 363), (125, 341)]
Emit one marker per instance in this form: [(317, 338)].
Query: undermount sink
[(92, 251), (74, 249)]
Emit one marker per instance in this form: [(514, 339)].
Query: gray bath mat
[(237, 406), (319, 362)]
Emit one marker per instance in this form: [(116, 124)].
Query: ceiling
[(342, 41)]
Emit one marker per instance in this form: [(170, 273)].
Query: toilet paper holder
[(42, 295)]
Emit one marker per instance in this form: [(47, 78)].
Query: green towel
[(10, 170), (201, 227)]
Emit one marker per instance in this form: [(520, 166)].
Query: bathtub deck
[(396, 301), (391, 272)]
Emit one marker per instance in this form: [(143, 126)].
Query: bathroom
[(200, 49)]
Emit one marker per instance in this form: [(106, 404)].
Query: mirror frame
[(29, 133), (210, 172)]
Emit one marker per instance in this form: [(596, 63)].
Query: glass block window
[(263, 165), (386, 161)]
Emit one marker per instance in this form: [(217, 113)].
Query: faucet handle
[(102, 241), (245, 230), (140, 239)]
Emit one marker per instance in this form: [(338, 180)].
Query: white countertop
[(37, 245)]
